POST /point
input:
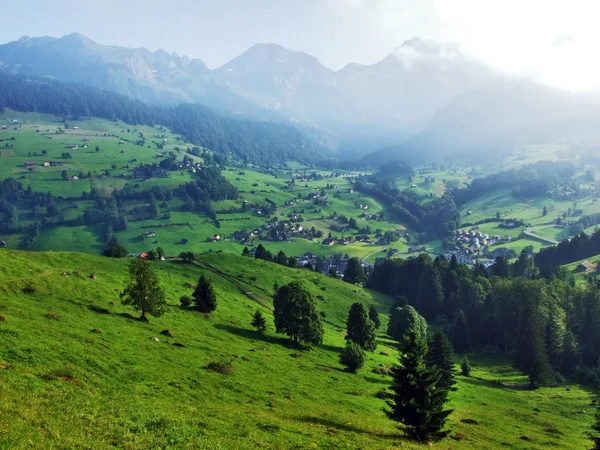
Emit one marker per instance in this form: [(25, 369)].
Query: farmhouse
[(149, 234), (215, 238), (76, 128), (46, 164), (329, 241), (72, 146), (586, 266), (30, 164)]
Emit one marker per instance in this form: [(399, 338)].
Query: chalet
[(72, 147), (144, 255), (30, 164), (3, 244), (160, 155), (329, 241), (85, 146), (363, 238), (74, 178), (215, 238), (586, 266), (46, 164), (381, 241), (76, 128), (38, 131), (3, 127), (121, 142), (149, 234), (86, 140)]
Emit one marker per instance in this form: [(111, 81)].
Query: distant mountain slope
[(250, 141), (514, 114), (424, 100), (138, 73)]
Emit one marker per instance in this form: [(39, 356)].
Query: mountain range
[(424, 100)]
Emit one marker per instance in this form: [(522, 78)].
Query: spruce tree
[(465, 367), (204, 296), (354, 273), (360, 328), (374, 316), (417, 402), (440, 355), (461, 336), (352, 356), (259, 322)]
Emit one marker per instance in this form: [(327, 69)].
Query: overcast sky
[(555, 41)]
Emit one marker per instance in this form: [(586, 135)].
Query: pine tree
[(259, 322), (440, 355), (461, 336), (416, 401), (374, 316), (352, 356), (354, 273), (430, 296), (465, 367), (204, 296), (360, 328)]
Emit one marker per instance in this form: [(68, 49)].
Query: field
[(111, 170), (77, 370)]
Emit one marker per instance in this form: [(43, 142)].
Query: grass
[(78, 370)]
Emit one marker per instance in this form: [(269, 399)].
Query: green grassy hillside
[(77, 370)]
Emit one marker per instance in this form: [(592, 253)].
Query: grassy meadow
[(78, 370)]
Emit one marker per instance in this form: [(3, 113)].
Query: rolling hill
[(77, 369)]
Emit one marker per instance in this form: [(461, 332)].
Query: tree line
[(249, 141)]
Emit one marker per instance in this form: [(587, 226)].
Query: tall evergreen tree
[(259, 322), (360, 328), (354, 273), (440, 355), (461, 336), (430, 296), (417, 401), (374, 316), (204, 296)]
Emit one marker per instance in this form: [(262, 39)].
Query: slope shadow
[(347, 427), (387, 382), (254, 335)]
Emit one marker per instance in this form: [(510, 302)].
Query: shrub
[(222, 367), (185, 300), (352, 356), (53, 316), (29, 289)]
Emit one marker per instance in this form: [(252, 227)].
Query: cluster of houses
[(352, 239), (326, 265), (280, 231), (44, 164)]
